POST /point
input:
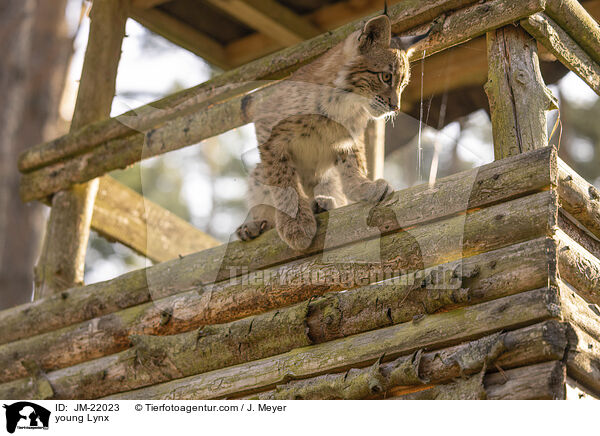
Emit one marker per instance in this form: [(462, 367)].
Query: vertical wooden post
[(518, 97), (61, 263), (375, 148)]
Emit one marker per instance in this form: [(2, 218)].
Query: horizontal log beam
[(122, 372), (270, 18), (578, 267), (540, 342), (455, 194), (579, 198), (494, 227), (560, 44), (578, 23), (544, 381), (123, 215), (232, 113), (579, 312), (407, 14), (182, 34), (583, 359)]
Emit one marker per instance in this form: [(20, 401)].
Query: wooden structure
[(484, 285)]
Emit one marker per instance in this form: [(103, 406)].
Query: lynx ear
[(377, 32), (404, 43)]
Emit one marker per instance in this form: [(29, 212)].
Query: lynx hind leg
[(328, 193), (262, 215)]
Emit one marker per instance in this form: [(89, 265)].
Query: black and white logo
[(26, 415)]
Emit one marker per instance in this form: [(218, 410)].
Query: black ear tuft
[(377, 32), (385, 10), (406, 42)]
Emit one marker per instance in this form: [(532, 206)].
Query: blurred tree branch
[(36, 48)]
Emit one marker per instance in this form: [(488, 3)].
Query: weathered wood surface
[(578, 23), (62, 259), (268, 377), (545, 341), (578, 197), (455, 194), (583, 358), (561, 45), (577, 311), (472, 21), (123, 372), (544, 381), (578, 267), (405, 15), (475, 279), (271, 19), (121, 214), (518, 97), (573, 228), (465, 388), (232, 112)]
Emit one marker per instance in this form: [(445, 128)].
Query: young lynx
[(310, 133)]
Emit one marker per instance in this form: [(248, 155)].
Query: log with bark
[(146, 365), (478, 232), (455, 194), (232, 109), (560, 44), (583, 359), (545, 341), (544, 381)]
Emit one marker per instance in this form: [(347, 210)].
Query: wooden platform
[(482, 286)]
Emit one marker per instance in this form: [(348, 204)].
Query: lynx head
[(378, 69)]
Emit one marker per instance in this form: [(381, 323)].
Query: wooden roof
[(230, 33)]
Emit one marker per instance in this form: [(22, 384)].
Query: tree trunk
[(36, 50)]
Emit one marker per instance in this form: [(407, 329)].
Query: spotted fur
[(310, 134)]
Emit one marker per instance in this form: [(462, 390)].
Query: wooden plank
[(544, 381), (516, 91), (375, 148), (561, 45), (579, 198), (583, 359), (545, 341), (467, 24), (121, 214), (578, 23), (62, 259), (183, 35), (476, 279), (495, 182), (270, 18), (119, 373)]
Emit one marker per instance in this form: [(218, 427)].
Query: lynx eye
[(386, 78)]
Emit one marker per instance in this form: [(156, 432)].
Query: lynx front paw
[(323, 203), (253, 229), (297, 232), (372, 191)]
